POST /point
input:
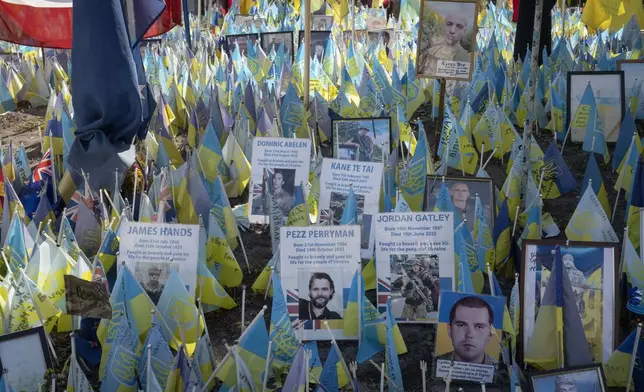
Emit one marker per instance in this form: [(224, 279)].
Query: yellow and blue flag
[(329, 378), (616, 368), (501, 236), (593, 176), (161, 360), (465, 284), (296, 378), (15, 248), (182, 321), (482, 236), (394, 375), (119, 362), (181, 377), (253, 350), (219, 257), (299, 214), (558, 318), (212, 292), (414, 187), (285, 343), (589, 222), (350, 212), (557, 177), (624, 140)]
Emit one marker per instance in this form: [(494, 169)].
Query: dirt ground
[(224, 326)]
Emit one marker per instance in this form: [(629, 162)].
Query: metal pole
[(534, 68), (307, 51)]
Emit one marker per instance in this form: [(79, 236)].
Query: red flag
[(47, 23)]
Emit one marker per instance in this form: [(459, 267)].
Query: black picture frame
[(40, 332), (618, 304), (339, 120), (266, 48), (572, 74), (434, 182), (230, 40), (532, 376), (316, 36)]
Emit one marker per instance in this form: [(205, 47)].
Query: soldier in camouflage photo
[(418, 285)]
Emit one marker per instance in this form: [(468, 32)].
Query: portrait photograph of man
[(363, 140), (279, 183), (318, 43), (462, 193), (465, 336), (320, 299), (415, 286), (588, 378), (152, 277), (446, 39), (272, 41)]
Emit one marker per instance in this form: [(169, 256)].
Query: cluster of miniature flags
[(54, 223)]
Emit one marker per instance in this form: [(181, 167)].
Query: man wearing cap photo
[(417, 286)]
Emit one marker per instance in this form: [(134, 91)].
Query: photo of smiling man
[(465, 340), (322, 302)]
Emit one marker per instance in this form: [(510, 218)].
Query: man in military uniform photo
[(565, 383), (416, 287), (469, 328), (364, 143), (153, 287)]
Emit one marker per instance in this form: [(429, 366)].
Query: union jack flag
[(326, 217), (165, 195), (85, 196), (44, 169)]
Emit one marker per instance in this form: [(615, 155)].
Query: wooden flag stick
[(268, 362), (634, 357), (516, 219), (382, 377), (335, 346), (148, 387), (378, 367), (491, 281), (241, 243), (423, 370), (268, 285)]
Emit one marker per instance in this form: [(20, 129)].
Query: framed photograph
[(446, 39), (272, 41), (592, 269), (634, 79), (575, 379), (245, 21), (25, 358), (386, 34), (414, 271), (321, 22), (360, 35), (376, 19), (465, 344), (317, 265), (243, 40), (361, 139), (608, 89), (463, 191), (318, 43)]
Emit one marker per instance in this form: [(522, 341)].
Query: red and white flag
[(48, 23)]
